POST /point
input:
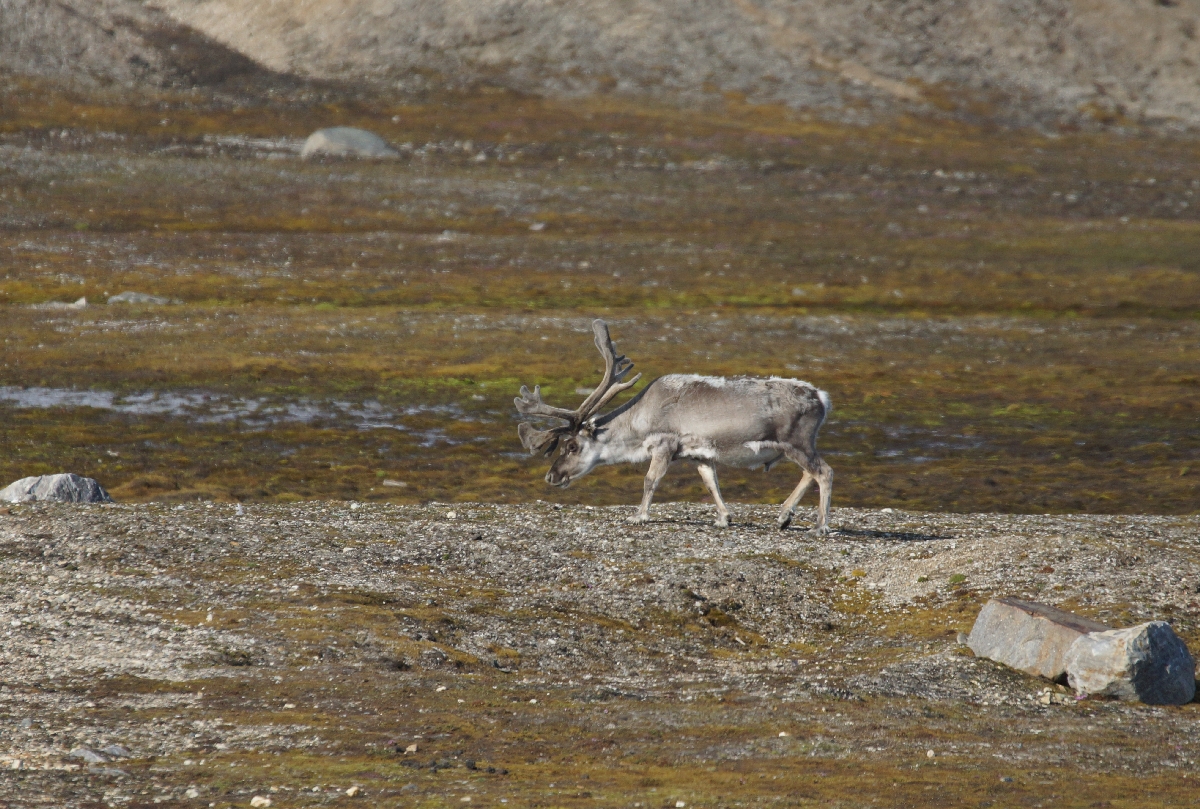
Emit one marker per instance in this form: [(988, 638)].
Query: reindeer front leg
[(659, 462)]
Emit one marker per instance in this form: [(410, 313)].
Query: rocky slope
[(120, 44), (1023, 61)]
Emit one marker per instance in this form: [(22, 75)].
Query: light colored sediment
[(102, 602)]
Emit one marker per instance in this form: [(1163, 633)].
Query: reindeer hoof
[(820, 531), (785, 521), (722, 522), (638, 519)]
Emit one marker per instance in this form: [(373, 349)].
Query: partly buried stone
[(1031, 637), (138, 297), (90, 756), (1147, 662), (64, 488), (346, 141)]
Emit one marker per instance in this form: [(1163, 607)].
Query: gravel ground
[(177, 631)]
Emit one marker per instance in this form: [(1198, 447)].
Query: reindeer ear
[(537, 442)]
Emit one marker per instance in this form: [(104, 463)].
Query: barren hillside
[(1022, 61), (117, 43)]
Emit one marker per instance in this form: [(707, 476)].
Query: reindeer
[(743, 421)]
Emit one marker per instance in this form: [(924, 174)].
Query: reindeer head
[(578, 436)]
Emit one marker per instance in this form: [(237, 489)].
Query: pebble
[(90, 756), (260, 801)]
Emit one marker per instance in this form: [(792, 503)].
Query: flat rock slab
[(346, 141), (62, 488), (1028, 636), (1147, 662)]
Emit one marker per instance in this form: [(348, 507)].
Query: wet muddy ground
[(185, 402)]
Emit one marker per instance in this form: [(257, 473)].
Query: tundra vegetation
[(1006, 322)]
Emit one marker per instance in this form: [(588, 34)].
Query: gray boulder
[(346, 141), (1031, 637), (65, 488), (138, 297), (1147, 662)]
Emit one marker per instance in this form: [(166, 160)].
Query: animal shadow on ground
[(902, 536)]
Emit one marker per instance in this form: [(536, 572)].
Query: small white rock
[(930, 754), (450, 515), (260, 801), (346, 141), (351, 792), (192, 793), (412, 748)]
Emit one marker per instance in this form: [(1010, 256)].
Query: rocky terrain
[(537, 654), (124, 46), (1040, 61)]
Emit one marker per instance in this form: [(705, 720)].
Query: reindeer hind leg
[(709, 476), (814, 468), (788, 509)]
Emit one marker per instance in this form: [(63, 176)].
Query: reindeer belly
[(751, 455), (747, 454)]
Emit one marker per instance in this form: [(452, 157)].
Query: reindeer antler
[(541, 442), (531, 404), (615, 368)]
